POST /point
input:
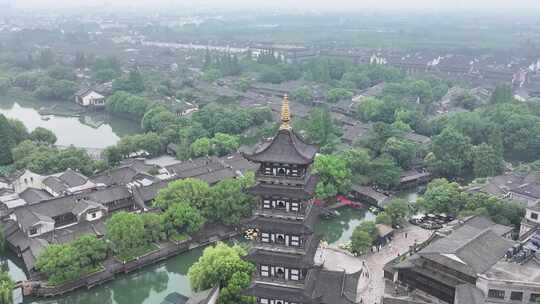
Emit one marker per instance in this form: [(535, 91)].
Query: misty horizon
[(300, 5)]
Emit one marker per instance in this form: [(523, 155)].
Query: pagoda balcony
[(283, 214), (276, 281), (281, 179), (276, 247)]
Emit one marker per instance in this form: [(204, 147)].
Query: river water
[(91, 131), (152, 284)]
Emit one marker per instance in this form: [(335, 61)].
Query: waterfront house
[(474, 263), (88, 97)]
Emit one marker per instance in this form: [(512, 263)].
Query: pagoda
[(284, 243)]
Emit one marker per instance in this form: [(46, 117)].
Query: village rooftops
[(524, 188), (468, 249), (472, 248)]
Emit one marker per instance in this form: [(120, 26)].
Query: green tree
[(271, 75), (89, 250), (358, 79), (60, 72), (126, 233), (369, 227), (442, 196), (361, 241), (132, 82), (201, 147), (42, 135), (421, 89), (244, 84), (211, 75), (228, 201), (502, 94), (402, 150), (371, 109), (232, 293), (223, 143), (18, 130), (60, 263), (182, 219), (397, 210), (6, 288), (157, 119), (128, 105), (383, 218), (217, 266), (334, 176), (7, 141), (358, 160), (321, 130), (44, 159), (195, 192), (337, 94), (486, 161), (46, 57), (451, 153), (302, 94), (153, 226), (384, 172)]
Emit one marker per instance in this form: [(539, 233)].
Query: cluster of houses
[(38, 210), (473, 260)]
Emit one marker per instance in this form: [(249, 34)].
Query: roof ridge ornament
[(285, 114)]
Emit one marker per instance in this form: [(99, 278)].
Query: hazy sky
[(298, 4)]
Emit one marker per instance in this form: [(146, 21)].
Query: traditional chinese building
[(285, 244)]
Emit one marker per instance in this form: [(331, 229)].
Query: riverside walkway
[(371, 284), (113, 267)]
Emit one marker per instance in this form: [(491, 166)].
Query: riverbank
[(113, 267), (90, 130)]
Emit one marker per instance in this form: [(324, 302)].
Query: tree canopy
[(6, 288), (223, 266)]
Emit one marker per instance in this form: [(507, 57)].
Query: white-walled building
[(89, 98)]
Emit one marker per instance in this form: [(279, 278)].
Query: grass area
[(179, 237), (138, 252)]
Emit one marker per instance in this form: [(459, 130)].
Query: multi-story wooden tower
[(285, 244)]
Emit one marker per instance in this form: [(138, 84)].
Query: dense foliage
[(68, 262), (126, 104), (45, 159), (127, 235), (363, 237), (222, 265), (226, 202), (443, 196), (6, 288)]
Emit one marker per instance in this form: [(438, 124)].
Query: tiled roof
[(285, 147)]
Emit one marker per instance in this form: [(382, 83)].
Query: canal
[(152, 284), (97, 130)]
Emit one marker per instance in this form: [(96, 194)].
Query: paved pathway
[(371, 284)]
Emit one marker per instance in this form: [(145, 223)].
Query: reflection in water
[(136, 288), (150, 285), (72, 130), (339, 229)]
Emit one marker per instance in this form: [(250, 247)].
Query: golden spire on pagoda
[(285, 114)]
